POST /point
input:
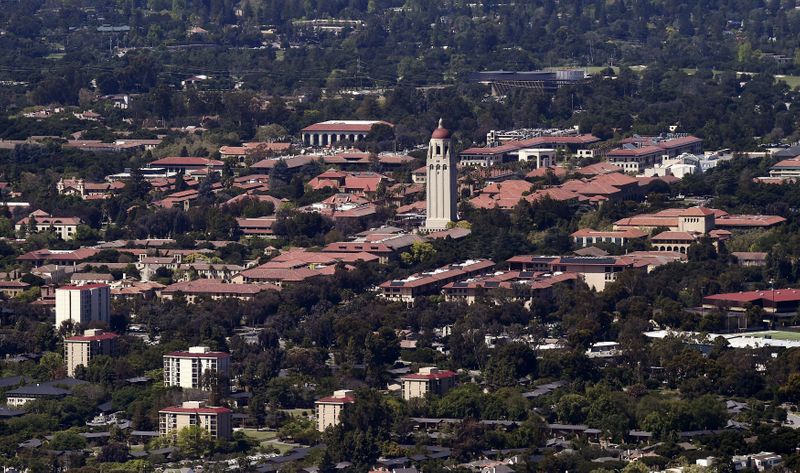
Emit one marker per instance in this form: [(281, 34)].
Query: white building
[(329, 409), (681, 166), (441, 182), (40, 221), (186, 369), (83, 304), (543, 157), (335, 131)]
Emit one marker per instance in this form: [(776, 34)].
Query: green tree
[(67, 440), (194, 441), (420, 251)]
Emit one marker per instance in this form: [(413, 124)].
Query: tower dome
[(441, 133)]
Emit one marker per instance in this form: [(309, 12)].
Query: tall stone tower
[(441, 185)]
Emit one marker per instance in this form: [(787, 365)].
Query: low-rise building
[(12, 289), (186, 164), (330, 132), (196, 368), (519, 150), (641, 152), (588, 237), (41, 221), (597, 273), (697, 220), (215, 420), (427, 380), (775, 301), (431, 282), (80, 350), (214, 289), (21, 396), (788, 168), (65, 258), (329, 409), (750, 258)]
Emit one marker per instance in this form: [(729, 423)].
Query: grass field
[(776, 334), (268, 439)]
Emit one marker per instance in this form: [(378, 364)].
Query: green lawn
[(776, 334), (260, 435), (268, 439)]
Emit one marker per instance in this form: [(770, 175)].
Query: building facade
[(337, 131), (215, 420), (329, 409), (40, 221), (427, 380), (83, 304), (441, 181), (187, 369), (79, 350)]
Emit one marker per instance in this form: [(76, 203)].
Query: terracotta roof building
[(431, 282), (80, 350), (328, 410), (427, 381), (214, 289)]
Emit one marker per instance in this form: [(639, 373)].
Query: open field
[(776, 334)]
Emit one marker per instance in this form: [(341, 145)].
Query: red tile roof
[(195, 410), (213, 286), (336, 400), (437, 375), (185, 161), (362, 126), (93, 338), (778, 295), (82, 288)]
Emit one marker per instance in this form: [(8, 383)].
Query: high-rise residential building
[(79, 350), (83, 304), (329, 409), (215, 420), (196, 368), (427, 380)]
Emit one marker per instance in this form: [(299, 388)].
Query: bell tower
[(441, 184)]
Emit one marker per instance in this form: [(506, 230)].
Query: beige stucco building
[(427, 380), (215, 420), (329, 409), (79, 350)]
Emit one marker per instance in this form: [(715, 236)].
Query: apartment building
[(427, 380), (329, 409), (83, 304), (79, 350), (187, 369), (215, 420)]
